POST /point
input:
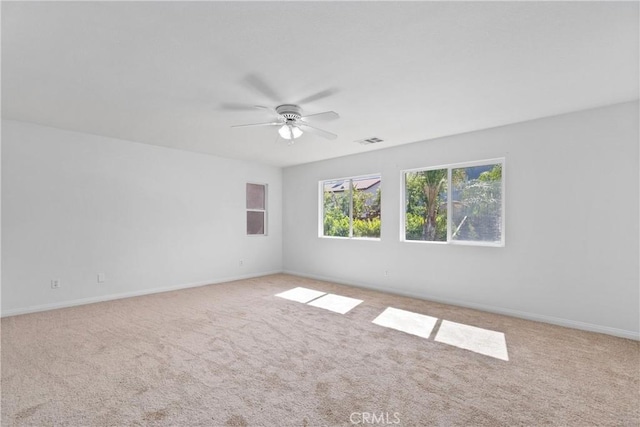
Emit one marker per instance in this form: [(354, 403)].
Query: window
[(460, 203), (351, 207), (257, 209)]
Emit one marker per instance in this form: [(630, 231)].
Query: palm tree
[(434, 182)]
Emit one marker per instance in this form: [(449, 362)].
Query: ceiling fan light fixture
[(289, 132), (292, 124)]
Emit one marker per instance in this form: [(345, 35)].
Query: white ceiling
[(168, 73)]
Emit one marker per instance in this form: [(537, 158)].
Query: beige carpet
[(234, 354)]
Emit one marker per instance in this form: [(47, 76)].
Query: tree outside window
[(351, 207), (462, 203)]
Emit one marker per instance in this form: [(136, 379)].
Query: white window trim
[(449, 167), (266, 216), (321, 208)]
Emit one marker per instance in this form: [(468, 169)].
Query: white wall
[(571, 254), (150, 218)]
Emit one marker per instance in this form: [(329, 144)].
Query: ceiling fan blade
[(317, 96), (258, 124), (327, 115), (232, 106), (305, 127), (261, 86)]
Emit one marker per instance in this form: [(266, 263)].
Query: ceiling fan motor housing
[(290, 112)]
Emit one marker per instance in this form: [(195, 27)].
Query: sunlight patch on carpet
[(406, 321), (303, 295), (336, 303), (478, 340)]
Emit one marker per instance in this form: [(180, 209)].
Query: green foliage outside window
[(476, 202), (336, 213), (478, 215), (366, 213), (426, 209)]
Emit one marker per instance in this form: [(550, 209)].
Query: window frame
[(321, 184), (449, 167), (264, 211)]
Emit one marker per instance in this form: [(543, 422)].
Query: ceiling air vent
[(372, 140)]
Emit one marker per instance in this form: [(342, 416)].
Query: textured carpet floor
[(234, 354)]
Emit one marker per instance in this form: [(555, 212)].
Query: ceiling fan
[(289, 118), (292, 124)]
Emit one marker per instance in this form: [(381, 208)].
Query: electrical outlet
[(241, 263), (101, 277), (55, 283)]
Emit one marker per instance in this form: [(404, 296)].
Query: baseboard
[(102, 298), (622, 333)]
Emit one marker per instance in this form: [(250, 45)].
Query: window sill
[(457, 243), (367, 239)]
